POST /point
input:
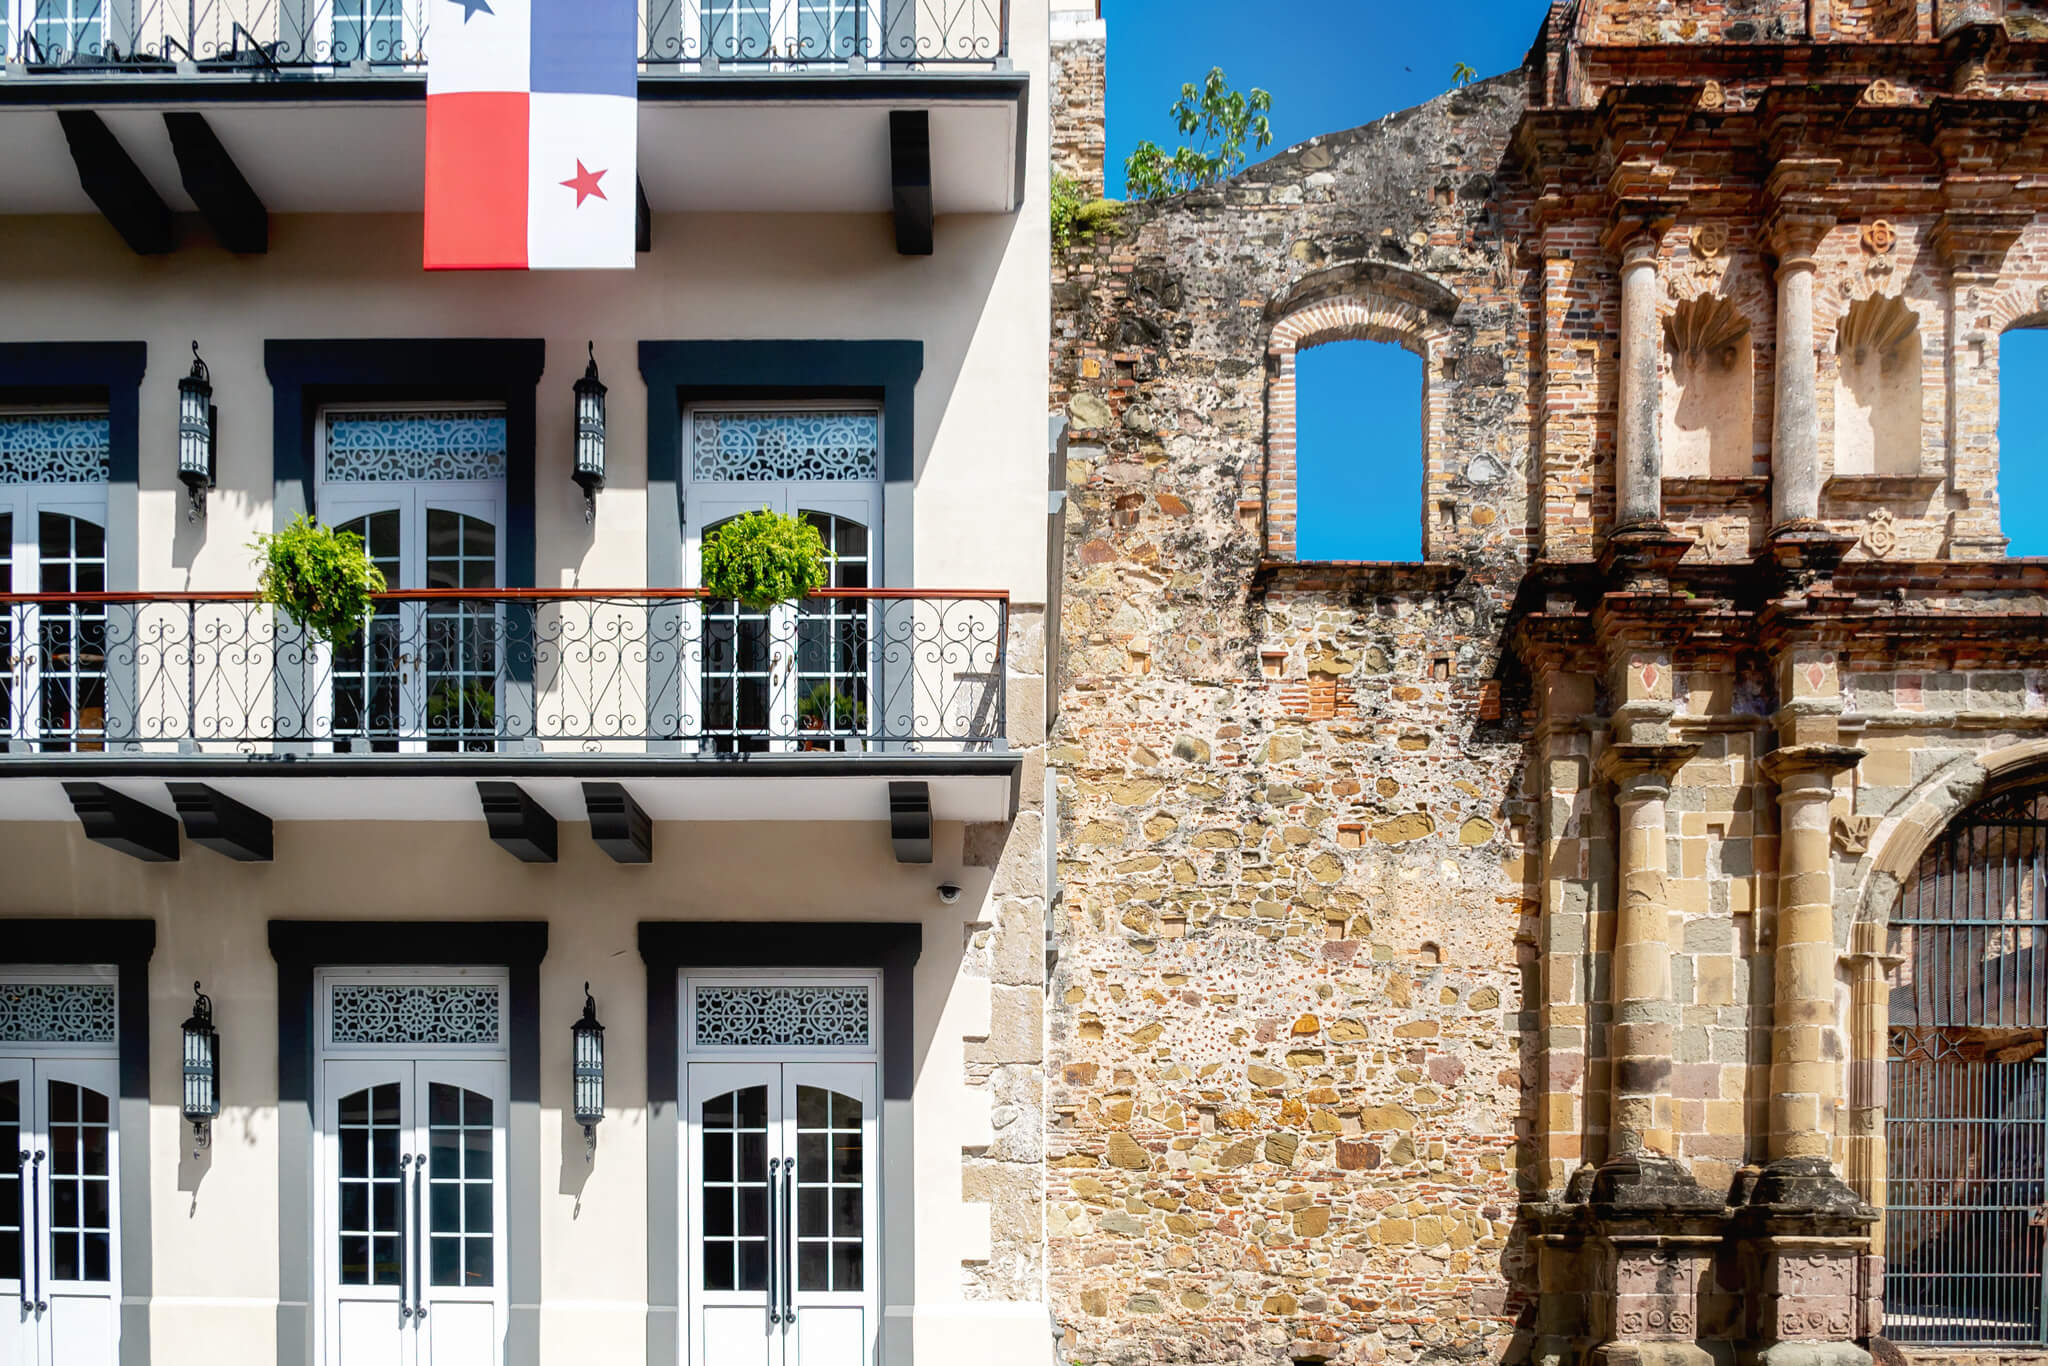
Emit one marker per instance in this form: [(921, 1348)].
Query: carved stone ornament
[(1852, 833), (1881, 536), (1880, 91), (1879, 236), (1717, 537), (1709, 239), (2041, 298), (1712, 97)]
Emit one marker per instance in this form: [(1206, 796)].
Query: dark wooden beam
[(910, 821), (910, 179), (618, 824), (222, 824), (519, 825), (120, 822), (115, 184), (225, 199), (643, 218)]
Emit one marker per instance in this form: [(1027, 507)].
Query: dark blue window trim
[(680, 372), (306, 374), (94, 372)]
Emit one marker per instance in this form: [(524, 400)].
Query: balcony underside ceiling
[(781, 144), (443, 787)]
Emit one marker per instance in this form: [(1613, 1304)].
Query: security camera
[(949, 892)]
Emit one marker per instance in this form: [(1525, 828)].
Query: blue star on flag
[(470, 8)]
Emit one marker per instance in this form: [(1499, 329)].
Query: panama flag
[(532, 126)]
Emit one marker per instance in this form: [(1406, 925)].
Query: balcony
[(746, 106), (813, 710)]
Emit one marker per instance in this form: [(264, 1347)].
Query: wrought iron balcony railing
[(314, 36), (848, 670)]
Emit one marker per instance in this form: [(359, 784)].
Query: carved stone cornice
[(1787, 760)]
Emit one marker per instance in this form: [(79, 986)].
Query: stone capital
[(1638, 769), (1636, 231), (1791, 760), (1793, 234)]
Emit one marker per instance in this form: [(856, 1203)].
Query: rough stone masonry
[(1485, 958)]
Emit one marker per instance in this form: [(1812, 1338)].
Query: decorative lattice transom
[(770, 445), (57, 1012), (411, 1013), (54, 448), (449, 445), (781, 1017)]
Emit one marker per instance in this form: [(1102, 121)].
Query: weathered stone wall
[(1078, 83), (1286, 1018)]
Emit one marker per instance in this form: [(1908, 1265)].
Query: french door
[(782, 1218), (53, 688), (59, 1236), (422, 675), (413, 1212), (798, 675)]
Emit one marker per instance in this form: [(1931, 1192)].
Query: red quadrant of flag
[(476, 181)]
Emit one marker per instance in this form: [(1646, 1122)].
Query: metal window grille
[(1966, 1125)]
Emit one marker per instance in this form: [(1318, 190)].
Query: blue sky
[(2023, 441), (1329, 65)]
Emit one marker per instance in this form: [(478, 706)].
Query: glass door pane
[(831, 1301), (368, 671), (71, 654), (834, 642), (460, 1311), (367, 1208), (732, 1161), (370, 1230), (462, 648), (80, 1245), (14, 1170)]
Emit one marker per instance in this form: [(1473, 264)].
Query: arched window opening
[(2023, 440), (1966, 1123), (1358, 425), (1878, 388), (1709, 391)]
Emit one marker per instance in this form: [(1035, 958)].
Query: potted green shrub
[(826, 708), (763, 558), (321, 578)]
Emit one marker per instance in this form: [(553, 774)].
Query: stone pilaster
[(1795, 415), (1642, 1118), (1639, 460), (1806, 1049), (1654, 1235), (1863, 1151)]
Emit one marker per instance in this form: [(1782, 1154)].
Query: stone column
[(1641, 1118), (1639, 460), (1795, 419), (1806, 1072)]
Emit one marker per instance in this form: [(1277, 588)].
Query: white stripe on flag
[(487, 51), (600, 132)]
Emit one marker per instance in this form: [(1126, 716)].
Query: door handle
[(789, 1244), (404, 1236), (775, 1236), (35, 1186), (419, 1237)]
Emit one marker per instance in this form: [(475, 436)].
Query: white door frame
[(340, 1070), (713, 1069), (36, 1333), (411, 499)]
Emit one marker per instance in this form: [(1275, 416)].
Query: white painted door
[(781, 1217), (414, 1208), (796, 676), (54, 540), (60, 1263)]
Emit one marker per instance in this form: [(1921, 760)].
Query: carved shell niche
[(1707, 328), (1878, 324)]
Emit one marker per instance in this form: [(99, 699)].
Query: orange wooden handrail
[(494, 595)]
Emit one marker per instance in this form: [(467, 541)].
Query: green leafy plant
[(824, 707), (762, 558), (1462, 75), (1075, 219), (322, 578), (1223, 118), (453, 707)]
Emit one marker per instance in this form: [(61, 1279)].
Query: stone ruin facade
[(1487, 958)]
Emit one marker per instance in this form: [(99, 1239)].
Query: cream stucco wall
[(215, 1217)]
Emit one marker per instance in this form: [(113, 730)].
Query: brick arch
[(2020, 305), (1374, 317)]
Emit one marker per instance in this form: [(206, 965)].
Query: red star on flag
[(584, 183)]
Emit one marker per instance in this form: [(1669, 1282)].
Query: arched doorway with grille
[(1966, 1103)]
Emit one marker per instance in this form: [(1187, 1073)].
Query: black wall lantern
[(202, 1067), (588, 1058), (590, 435), (198, 427)]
